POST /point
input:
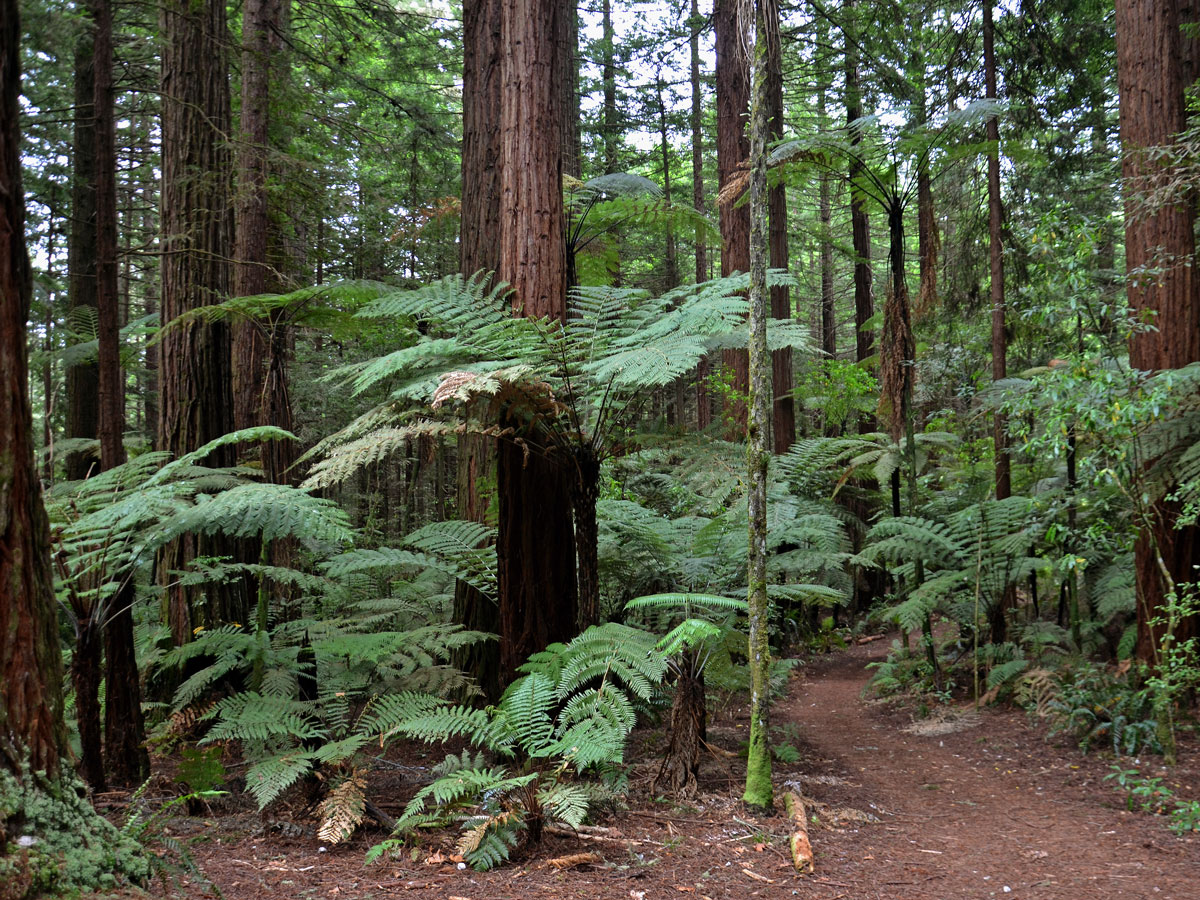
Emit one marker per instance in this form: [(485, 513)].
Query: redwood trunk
[(83, 394), (783, 414), (703, 401), (124, 728), (733, 148), (479, 250), (196, 398), (860, 223), (535, 543), (30, 660), (996, 256), (85, 676), (1155, 65), (260, 24)]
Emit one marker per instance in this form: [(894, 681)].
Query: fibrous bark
[(196, 398), (703, 400), (783, 413), (1156, 63), (733, 148), (83, 395), (31, 711), (535, 541), (860, 223)]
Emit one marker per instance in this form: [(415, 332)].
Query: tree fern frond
[(342, 810)]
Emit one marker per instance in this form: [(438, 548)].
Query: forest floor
[(962, 805)]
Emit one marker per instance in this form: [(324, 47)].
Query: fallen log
[(802, 854), (575, 859)]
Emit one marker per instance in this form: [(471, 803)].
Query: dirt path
[(988, 810)]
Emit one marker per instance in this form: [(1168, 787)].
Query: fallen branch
[(575, 859), (756, 876), (802, 854), (870, 638)]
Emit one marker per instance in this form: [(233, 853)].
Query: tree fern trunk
[(686, 733)]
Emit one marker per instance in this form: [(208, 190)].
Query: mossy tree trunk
[(759, 792)]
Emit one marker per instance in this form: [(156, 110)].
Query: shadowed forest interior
[(461, 436)]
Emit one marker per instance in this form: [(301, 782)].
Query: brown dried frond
[(343, 809)]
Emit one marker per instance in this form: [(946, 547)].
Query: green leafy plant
[(1095, 706), (569, 714)]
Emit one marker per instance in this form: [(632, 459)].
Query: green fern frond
[(270, 777), (568, 803)]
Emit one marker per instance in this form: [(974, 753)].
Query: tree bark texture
[(31, 709), (532, 249), (1156, 63), (996, 256), (479, 247), (733, 148), (535, 550), (783, 413), (535, 540), (608, 75), (687, 731), (479, 250), (860, 223), (261, 40), (196, 397), (111, 376), (572, 148), (695, 22), (759, 792), (83, 384)]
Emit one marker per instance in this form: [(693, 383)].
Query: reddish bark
[(196, 400), (860, 223), (535, 542), (733, 148), (1156, 63), (783, 413), (260, 41), (83, 397), (703, 400), (31, 723)]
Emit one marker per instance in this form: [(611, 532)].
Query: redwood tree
[(83, 398), (479, 250), (783, 415), (864, 292), (1156, 63), (195, 401), (31, 709), (126, 760), (733, 149), (535, 542)]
